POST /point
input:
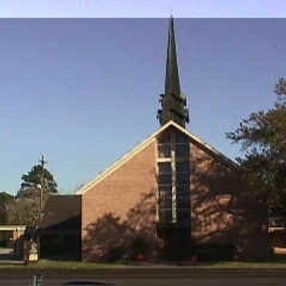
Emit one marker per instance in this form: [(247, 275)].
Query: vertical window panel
[(164, 150)]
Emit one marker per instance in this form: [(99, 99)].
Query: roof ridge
[(141, 146)]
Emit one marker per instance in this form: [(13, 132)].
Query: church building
[(170, 192), (172, 197)]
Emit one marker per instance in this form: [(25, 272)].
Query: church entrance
[(177, 243)]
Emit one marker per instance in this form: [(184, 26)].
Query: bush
[(115, 254), (214, 252), (139, 248)]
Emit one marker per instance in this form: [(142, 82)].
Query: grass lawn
[(278, 262), (73, 265)]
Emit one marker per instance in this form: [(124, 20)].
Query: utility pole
[(37, 281), (42, 183)]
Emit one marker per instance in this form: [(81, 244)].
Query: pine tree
[(37, 177)]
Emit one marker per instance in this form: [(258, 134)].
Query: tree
[(6, 200), (38, 177), (36, 184), (263, 139), (24, 211)]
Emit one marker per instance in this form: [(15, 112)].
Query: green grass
[(52, 264), (245, 265), (43, 264), (277, 262)]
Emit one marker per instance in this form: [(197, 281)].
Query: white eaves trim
[(117, 164)]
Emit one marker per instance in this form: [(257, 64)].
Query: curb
[(146, 273)]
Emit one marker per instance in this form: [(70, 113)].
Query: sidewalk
[(11, 262)]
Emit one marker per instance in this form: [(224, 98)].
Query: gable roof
[(144, 144)]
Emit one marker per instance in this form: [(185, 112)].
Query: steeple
[(172, 81), (172, 102)]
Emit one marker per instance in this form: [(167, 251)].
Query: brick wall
[(213, 187), (120, 207)]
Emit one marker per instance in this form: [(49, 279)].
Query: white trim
[(174, 176), (12, 227), (162, 160), (217, 153), (117, 164)]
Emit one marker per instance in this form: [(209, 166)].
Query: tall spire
[(172, 102), (172, 81)]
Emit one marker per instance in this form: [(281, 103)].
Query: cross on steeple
[(173, 104)]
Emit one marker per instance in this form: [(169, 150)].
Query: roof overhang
[(144, 144), (12, 227)]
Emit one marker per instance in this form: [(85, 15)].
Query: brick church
[(170, 196)]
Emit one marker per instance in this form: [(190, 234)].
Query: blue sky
[(146, 8), (85, 91)]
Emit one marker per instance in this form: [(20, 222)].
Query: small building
[(60, 229), (9, 234)]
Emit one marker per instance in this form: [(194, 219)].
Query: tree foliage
[(263, 139), (6, 200), (36, 178), (26, 206), (24, 211)]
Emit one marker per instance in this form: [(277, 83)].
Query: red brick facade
[(121, 204), (214, 183)]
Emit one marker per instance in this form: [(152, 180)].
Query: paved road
[(253, 281)]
